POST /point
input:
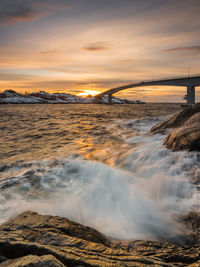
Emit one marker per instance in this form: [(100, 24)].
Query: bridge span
[(189, 82)]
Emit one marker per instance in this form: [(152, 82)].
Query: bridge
[(190, 82)]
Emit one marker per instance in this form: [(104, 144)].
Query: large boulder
[(186, 135), (177, 120), (184, 138), (194, 119), (32, 239)]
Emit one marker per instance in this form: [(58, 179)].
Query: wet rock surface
[(177, 120), (186, 135), (184, 138), (32, 239)]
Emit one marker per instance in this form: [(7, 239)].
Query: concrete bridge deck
[(190, 82)]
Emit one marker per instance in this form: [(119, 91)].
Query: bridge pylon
[(190, 94), (110, 99)]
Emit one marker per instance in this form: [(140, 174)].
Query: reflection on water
[(95, 164), (31, 132)]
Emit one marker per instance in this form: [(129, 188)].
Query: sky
[(75, 46)]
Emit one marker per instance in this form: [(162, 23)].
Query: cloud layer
[(98, 45), (185, 49), (19, 13)]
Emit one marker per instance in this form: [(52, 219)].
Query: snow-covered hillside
[(12, 97)]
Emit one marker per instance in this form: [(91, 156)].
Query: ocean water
[(96, 165)]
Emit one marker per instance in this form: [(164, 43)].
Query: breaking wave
[(140, 198)]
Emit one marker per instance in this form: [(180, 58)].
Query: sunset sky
[(76, 45)]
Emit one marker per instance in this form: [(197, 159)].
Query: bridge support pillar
[(109, 99), (190, 95)]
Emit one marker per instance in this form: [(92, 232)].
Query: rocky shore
[(32, 239), (185, 130)]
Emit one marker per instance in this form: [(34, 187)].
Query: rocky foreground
[(31, 239)]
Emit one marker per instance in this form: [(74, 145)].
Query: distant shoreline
[(42, 97), (43, 103)]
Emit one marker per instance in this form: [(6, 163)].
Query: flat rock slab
[(32, 239), (33, 261)]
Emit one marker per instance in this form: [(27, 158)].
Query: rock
[(187, 136), (184, 138), (33, 220), (177, 120), (194, 119), (192, 221), (197, 264), (31, 239), (33, 261)]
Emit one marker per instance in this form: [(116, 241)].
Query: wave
[(138, 198)]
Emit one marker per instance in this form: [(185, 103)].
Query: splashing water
[(136, 199)]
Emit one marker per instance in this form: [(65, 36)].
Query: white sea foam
[(137, 200)]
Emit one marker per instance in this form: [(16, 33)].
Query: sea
[(96, 165)]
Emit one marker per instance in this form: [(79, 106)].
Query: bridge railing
[(171, 78)]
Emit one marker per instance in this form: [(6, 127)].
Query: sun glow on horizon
[(86, 93)]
